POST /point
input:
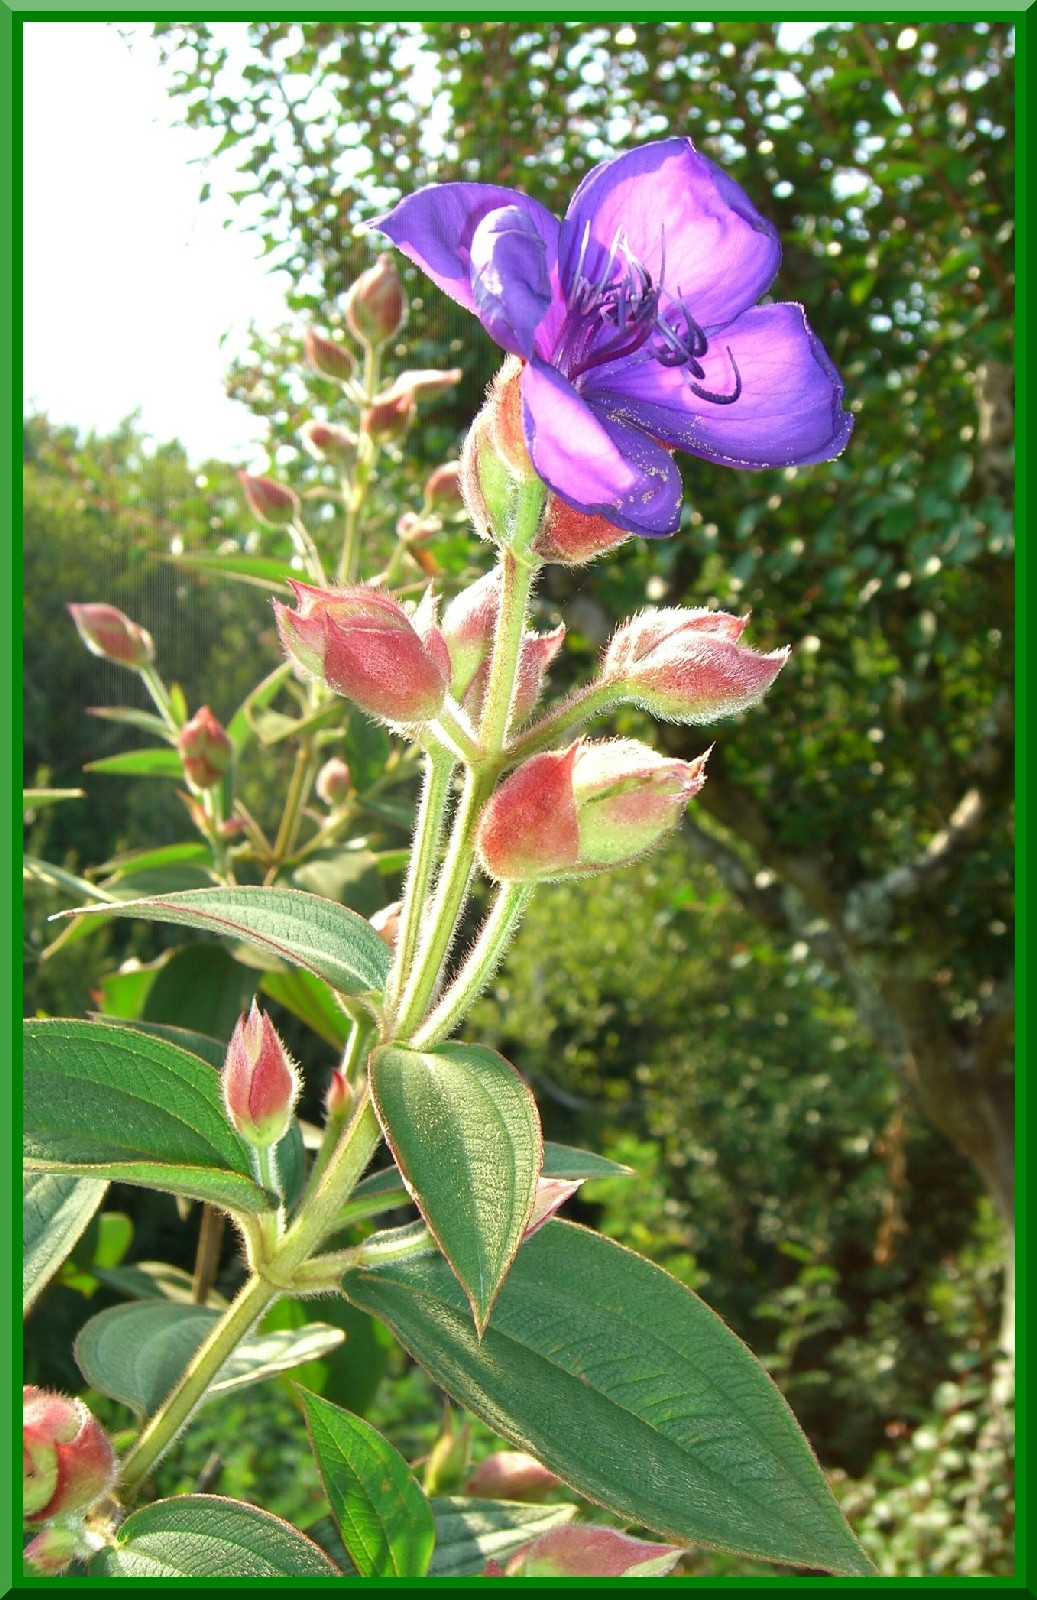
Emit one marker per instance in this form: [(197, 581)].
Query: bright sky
[(129, 282)]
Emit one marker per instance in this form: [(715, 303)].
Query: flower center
[(615, 312)]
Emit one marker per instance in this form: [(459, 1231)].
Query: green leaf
[(155, 1280), (384, 1518), (349, 876), (304, 930), (140, 764), (206, 1536), (145, 721), (56, 1211), (311, 1000), (463, 1128), (630, 1388), (239, 728), (565, 1161), (135, 1353), (110, 1101), (471, 1532), (36, 799), (165, 855), (266, 572)]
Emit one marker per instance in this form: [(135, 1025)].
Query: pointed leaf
[(146, 721), (140, 764), (384, 1518), (471, 1532), (267, 572), (112, 1102), (135, 1353), (311, 1000), (206, 1536), (55, 1214), (625, 1384), (566, 1161), (304, 930), (464, 1130)]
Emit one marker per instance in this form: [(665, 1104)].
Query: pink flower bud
[(362, 644), (495, 463), (339, 1096), (598, 804), (425, 384), (327, 442), (375, 308), (550, 1195), (389, 416), (443, 488), (386, 922), (328, 357), (687, 665), (205, 749), (510, 1475), (68, 1459), (273, 503), (469, 628), (334, 782), (260, 1080), (52, 1550), (570, 538), (585, 1551), (107, 632)]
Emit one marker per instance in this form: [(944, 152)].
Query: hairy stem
[(439, 767), (481, 963)]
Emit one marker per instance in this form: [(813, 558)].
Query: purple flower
[(637, 323)]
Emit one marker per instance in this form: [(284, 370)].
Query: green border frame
[(13, 13)]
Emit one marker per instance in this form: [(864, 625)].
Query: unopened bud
[(510, 1475), (375, 308), (550, 1195), (687, 665), (599, 804), (361, 643), (570, 538), (334, 782), (328, 442), (328, 357), (447, 1461), (273, 503), (107, 632), (68, 1459), (205, 749), (386, 922), (495, 464), (388, 416), (339, 1096), (586, 1551), (469, 627), (52, 1551), (443, 489), (260, 1080), (423, 385)]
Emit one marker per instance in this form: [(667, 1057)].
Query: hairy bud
[(571, 538), (386, 922), (469, 627), (273, 503), (599, 804), (584, 1550), (328, 357), (205, 749), (687, 665), (361, 643), (510, 1475), (389, 416), (328, 442), (260, 1080), (334, 782), (443, 489), (68, 1459), (109, 633), (375, 308)]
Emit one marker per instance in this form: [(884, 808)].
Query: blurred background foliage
[(797, 1023)]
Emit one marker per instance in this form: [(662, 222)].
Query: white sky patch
[(130, 282)]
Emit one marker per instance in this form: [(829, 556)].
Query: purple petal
[(689, 224), (597, 462), (789, 412), (435, 226), (510, 278)]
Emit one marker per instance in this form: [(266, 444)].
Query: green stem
[(298, 789), (325, 1198), (307, 550), (439, 769), (354, 494), (240, 1317), (335, 1124), (481, 963), (516, 584), (594, 701), (160, 695)]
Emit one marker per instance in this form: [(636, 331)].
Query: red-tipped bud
[(328, 357), (586, 1551), (205, 749), (550, 1195), (375, 308), (570, 538), (334, 782), (107, 632), (68, 1459), (425, 384), (565, 813), (52, 1551), (510, 1475), (362, 644), (339, 1096), (260, 1080), (443, 489), (469, 628), (273, 503), (687, 666), (389, 416), (386, 922), (327, 442)]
